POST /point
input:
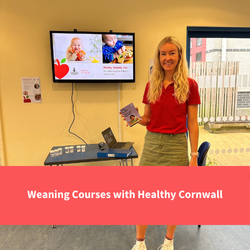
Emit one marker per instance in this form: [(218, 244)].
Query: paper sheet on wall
[(31, 89), (151, 63)]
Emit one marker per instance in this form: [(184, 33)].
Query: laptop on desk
[(111, 141)]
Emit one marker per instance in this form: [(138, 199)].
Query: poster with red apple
[(31, 90)]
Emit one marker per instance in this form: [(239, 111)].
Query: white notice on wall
[(151, 63), (31, 88)]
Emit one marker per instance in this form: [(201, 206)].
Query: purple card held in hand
[(130, 114)]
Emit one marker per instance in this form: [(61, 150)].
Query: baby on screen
[(112, 48), (74, 51)]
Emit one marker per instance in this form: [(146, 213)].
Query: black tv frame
[(55, 80)]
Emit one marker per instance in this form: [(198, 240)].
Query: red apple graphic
[(26, 99), (61, 70)]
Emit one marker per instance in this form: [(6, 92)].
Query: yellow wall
[(30, 130)]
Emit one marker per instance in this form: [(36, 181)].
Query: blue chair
[(203, 150)]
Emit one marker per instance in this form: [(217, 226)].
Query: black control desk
[(90, 155)]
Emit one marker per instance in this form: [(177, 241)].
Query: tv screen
[(92, 56)]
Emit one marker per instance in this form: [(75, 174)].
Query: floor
[(227, 149), (121, 237)]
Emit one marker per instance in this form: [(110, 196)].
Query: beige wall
[(30, 130)]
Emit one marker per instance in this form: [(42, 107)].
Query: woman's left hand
[(193, 161)]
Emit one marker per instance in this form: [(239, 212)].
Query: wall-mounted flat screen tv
[(92, 56)]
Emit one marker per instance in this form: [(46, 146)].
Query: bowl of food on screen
[(126, 56)]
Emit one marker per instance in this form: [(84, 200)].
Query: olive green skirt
[(164, 150)]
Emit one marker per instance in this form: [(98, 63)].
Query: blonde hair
[(181, 85)]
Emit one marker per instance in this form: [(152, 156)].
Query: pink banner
[(103, 195)]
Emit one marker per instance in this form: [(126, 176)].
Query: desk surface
[(88, 156)]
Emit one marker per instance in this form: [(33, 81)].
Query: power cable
[(73, 112)]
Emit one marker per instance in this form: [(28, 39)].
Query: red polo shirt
[(167, 115)]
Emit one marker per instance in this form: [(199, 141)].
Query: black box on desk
[(117, 153)]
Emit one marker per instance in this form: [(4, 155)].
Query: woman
[(170, 99)]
